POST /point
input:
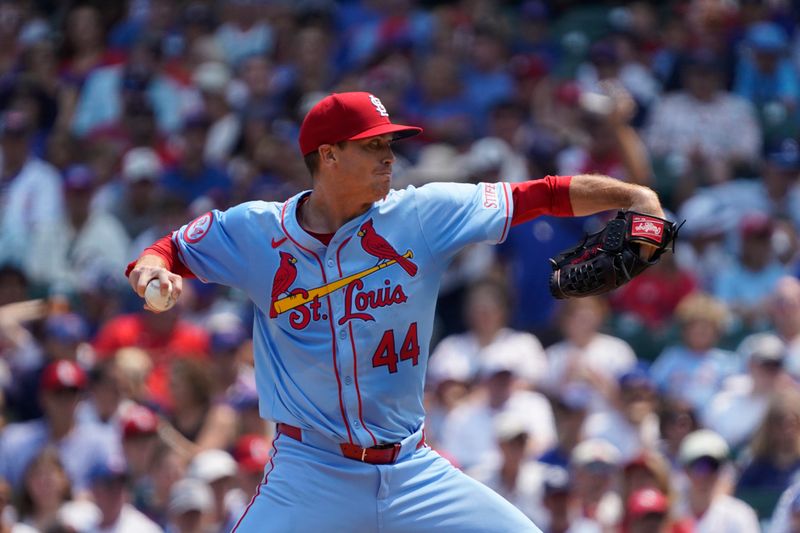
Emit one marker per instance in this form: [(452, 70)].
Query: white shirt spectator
[(630, 440), (459, 357), (725, 127), (29, 201), (727, 514), (527, 493), (130, 520), (468, 431), (59, 254), (782, 516), (605, 356), (735, 412)]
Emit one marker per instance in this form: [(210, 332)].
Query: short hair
[(701, 306)]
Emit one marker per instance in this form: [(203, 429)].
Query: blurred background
[(673, 405)]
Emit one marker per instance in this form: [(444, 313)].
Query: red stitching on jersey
[(263, 482), (505, 225), (330, 322), (353, 344)]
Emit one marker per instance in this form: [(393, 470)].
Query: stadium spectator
[(738, 409), (773, 461), (30, 189), (108, 480), (79, 445), (594, 466), (569, 411), (190, 504), (587, 356), (694, 369), (703, 455), (217, 469), (136, 207), (45, 487), (252, 453)]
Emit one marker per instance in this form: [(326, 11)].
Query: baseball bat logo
[(306, 302)]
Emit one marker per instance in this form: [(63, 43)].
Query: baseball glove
[(611, 257)]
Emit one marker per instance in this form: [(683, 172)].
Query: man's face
[(363, 168)]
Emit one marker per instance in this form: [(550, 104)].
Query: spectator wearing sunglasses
[(703, 456)]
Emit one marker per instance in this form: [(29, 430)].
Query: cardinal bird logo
[(284, 277), (377, 246)]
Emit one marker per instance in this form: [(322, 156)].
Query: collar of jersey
[(302, 238)]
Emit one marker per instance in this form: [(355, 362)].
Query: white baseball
[(153, 297)]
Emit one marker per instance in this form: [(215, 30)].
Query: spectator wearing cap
[(459, 356), (108, 478), (703, 456), (569, 410), (218, 469), (694, 369), (190, 505), (649, 470), (773, 459), (585, 355), (193, 176), (745, 284), (136, 208), (30, 189), (138, 427), (764, 72), (107, 90), (212, 80), (647, 511), (64, 335), (633, 426), (84, 240), (468, 432), (513, 475), (562, 512), (738, 409), (79, 445), (252, 453), (165, 337), (708, 129), (594, 466)]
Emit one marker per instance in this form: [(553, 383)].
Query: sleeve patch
[(489, 196), (198, 228)]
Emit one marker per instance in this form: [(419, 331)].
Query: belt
[(382, 454)]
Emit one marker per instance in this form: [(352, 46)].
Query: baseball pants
[(309, 486)]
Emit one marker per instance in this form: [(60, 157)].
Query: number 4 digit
[(386, 355), (410, 349)]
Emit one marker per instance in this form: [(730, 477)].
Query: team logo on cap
[(198, 228), (378, 105)]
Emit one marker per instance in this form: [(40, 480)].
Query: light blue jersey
[(342, 331), (341, 339)]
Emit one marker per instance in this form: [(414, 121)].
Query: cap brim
[(400, 131)]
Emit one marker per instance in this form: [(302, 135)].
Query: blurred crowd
[(672, 405)]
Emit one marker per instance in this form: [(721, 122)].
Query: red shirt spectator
[(162, 338)]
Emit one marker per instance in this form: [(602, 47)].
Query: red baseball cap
[(63, 374), (252, 452), (346, 117), (138, 420), (646, 501)]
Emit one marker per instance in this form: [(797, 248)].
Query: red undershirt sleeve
[(547, 196), (168, 251)]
